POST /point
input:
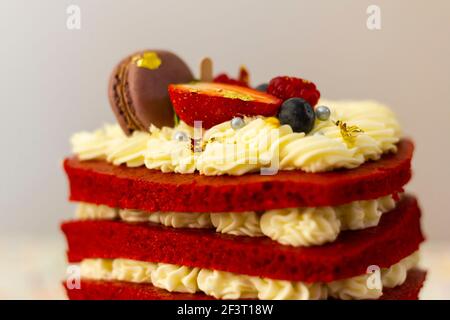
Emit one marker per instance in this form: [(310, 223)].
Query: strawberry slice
[(214, 103)]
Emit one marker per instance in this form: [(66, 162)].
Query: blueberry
[(262, 87), (297, 113)]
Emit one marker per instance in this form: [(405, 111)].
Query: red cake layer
[(150, 190), (397, 236), (116, 290), (409, 290)]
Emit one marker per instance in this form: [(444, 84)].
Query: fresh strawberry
[(243, 80), (214, 103), (290, 87)]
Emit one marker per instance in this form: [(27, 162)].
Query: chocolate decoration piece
[(138, 89), (206, 70)]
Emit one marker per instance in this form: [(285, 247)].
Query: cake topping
[(149, 60), (214, 103), (262, 87), (298, 114), (180, 136), (291, 87), (237, 123), (323, 113), (250, 148), (138, 89), (274, 121), (243, 79), (348, 133), (206, 70)]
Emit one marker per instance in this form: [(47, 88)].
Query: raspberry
[(242, 81), (224, 78), (291, 87)]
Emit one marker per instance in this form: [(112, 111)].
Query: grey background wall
[(54, 80)]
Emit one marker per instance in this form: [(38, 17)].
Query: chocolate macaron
[(138, 89)]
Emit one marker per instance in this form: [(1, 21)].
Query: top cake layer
[(223, 126), (151, 190)]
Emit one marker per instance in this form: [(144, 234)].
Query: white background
[(53, 81)]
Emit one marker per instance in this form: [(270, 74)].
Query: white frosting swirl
[(97, 144), (316, 226), (391, 277), (130, 151), (353, 288), (132, 270), (287, 290), (236, 152), (396, 275), (227, 285), (167, 154), (112, 145), (133, 215), (97, 269), (88, 211), (364, 214), (238, 224), (301, 226), (295, 226), (262, 142), (182, 219), (175, 278), (168, 219)]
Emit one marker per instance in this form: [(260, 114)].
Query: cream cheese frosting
[(261, 143), (227, 285), (295, 226)]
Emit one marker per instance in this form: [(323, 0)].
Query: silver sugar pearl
[(323, 113), (180, 136), (237, 123)]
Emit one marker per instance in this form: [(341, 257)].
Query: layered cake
[(211, 189)]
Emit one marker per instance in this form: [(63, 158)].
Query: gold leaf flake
[(148, 60), (235, 95), (348, 133)]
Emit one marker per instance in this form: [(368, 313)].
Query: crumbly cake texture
[(397, 236), (116, 290), (99, 182)]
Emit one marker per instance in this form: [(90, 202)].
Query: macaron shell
[(117, 83), (148, 89), (139, 96)]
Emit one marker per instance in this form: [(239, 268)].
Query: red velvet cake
[(205, 190)]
